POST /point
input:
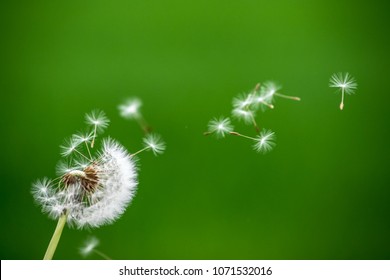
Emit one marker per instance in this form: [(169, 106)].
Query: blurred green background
[(322, 193)]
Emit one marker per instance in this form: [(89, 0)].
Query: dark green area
[(323, 193)]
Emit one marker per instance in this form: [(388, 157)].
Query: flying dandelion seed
[(130, 109), (245, 107), (89, 247), (265, 142), (269, 90), (154, 143), (220, 127), (345, 83)]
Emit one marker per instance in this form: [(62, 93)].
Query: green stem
[(56, 237)]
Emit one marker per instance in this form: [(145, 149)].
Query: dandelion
[(89, 195), (98, 120), (220, 127), (345, 83), (89, 247), (130, 109), (94, 190)]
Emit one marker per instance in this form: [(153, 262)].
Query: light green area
[(323, 193)]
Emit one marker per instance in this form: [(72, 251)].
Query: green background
[(322, 193)]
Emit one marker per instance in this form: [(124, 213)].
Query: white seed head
[(130, 109), (343, 81), (91, 195), (220, 127), (89, 245), (98, 120), (154, 143), (265, 141)]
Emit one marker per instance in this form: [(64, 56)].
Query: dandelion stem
[(83, 155), (342, 99), (94, 136), (89, 153), (241, 135), (288, 97), (140, 151), (56, 237), (104, 256), (207, 133)]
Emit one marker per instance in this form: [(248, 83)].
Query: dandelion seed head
[(154, 143), (343, 81), (220, 126), (92, 194), (89, 245), (265, 141), (130, 109)]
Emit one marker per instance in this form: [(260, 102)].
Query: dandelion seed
[(220, 127), (154, 143), (345, 83), (265, 141), (89, 246), (271, 89), (69, 147), (244, 115), (98, 120), (243, 101), (130, 108)]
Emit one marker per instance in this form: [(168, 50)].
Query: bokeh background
[(322, 193)]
